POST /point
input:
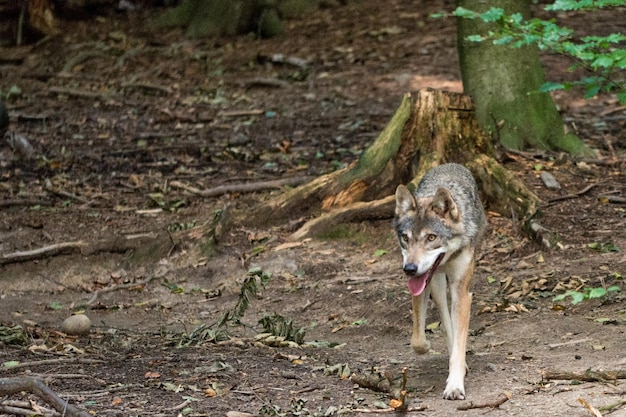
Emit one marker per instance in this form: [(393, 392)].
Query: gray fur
[(459, 181)]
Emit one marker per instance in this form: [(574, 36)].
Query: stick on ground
[(502, 398), (36, 386)]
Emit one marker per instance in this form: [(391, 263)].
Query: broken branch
[(502, 398), (587, 376), (36, 386)]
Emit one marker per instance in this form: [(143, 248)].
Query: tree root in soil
[(9, 386), (116, 244), (429, 129), (240, 188)]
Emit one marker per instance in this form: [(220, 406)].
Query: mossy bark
[(434, 128), (205, 18), (504, 83)]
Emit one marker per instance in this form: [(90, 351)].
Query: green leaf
[(577, 297), (613, 288), (380, 252), (491, 279), (55, 305), (10, 364), (597, 292), (492, 15), (604, 61), (551, 86), (465, 13), (475, 38)]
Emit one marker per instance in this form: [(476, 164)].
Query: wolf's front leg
[(439, 293), (418, 340), (460, 303)]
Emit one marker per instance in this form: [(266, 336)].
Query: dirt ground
[(116, 113)]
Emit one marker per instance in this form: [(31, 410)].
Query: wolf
[(440, 227)]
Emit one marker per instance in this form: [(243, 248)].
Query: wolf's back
[(459, 181)]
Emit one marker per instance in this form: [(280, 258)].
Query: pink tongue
[(417, 284)]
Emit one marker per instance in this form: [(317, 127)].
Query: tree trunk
[(435, 128), (505, 82)]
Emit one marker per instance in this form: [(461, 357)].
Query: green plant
[(603, 56), (219, 331), (586, 294), (277, 325)]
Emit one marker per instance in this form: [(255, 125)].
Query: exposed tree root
[(9, 386), (378, 209), (240, 188), (115, 244), (433, 128)]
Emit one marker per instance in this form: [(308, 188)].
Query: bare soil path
[(116, 114)]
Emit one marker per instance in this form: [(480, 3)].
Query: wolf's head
[(428, 229)]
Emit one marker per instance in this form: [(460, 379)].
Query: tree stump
[(433, 128)]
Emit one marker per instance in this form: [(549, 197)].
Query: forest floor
[(116, 113)]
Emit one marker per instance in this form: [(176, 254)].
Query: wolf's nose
[(410, 269)]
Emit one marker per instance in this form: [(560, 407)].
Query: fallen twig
[(387, 410), (22, 256), (594, 411), (24, 202), (569, 342), (77, 93), (612, 199), (79, 58), (25, 408), (239, 113), (25, 411), (573, 195), (148, 86), (240, 188), (502, 398), (115, 244), (266, 82), (54, 362), (96, 293), (613, 406), (587, 376), (50, 188), (604, 162), (9, 386)]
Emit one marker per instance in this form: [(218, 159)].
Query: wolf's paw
[(420, 346), (454, 393)]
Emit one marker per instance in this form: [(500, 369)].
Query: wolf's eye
[(404, 237), (431, 237)]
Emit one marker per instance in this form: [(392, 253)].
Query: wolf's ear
[(404, 200), (444, 206)]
